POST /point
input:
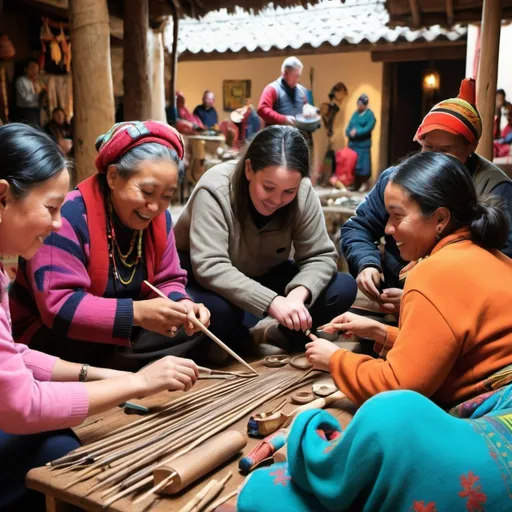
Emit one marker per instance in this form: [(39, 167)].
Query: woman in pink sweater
[(41, 396)]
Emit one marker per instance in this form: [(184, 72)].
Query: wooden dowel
[(221, 501), (191, 505), (212, 336), (153, 490), (213, 493)]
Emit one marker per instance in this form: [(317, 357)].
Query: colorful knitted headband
[(455, 115), (124, 136)]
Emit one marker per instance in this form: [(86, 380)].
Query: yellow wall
[(355, 69)]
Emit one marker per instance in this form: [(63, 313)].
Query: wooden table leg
[(55, 505)]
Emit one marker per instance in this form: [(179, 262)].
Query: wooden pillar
[(93, 94), (488, 73), (136, 66), (174, 56)]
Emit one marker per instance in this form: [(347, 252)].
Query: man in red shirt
[(284, 98)]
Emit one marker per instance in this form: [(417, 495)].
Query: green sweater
[(223, 260)]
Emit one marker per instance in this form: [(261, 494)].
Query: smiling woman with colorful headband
[(82, 297), (455, 320)]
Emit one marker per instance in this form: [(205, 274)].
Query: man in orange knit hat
[(453, 126)]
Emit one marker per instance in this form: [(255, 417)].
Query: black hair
[(435, 180), (28, 157), (273, 146), (129, 162), (502, 92)]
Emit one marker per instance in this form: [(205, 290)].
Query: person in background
[(82, 296), (206, 111), (29, 92), (284, 98), (500, 120), (42, 396), (454, 127), (503, 144), (60, 130), (359, 133), (235, 238), (186, 122)]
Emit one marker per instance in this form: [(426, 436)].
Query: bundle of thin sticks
[(122, 463)]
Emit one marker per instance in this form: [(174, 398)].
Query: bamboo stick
[(212, 336), (199, 496), (153, 490), (213, 493), (221, 501)]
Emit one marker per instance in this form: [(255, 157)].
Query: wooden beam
[(449, 12), (136, 79), (488, 73), (92, 80), (451, 52), (416, 13), (174, 55), (325, 48), (385, 112)]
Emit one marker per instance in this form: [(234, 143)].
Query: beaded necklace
[(114, 246)]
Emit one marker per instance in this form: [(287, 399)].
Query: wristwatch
[(82, 376)]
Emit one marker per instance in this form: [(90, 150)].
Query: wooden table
[(59, 499)]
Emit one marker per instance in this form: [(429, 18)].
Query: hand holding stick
[(208, 332)]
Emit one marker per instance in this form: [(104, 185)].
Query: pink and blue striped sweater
[(49, 296), (29, 403)]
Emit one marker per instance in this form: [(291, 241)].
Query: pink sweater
[(29, 403)]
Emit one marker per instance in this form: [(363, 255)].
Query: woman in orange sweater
[(455, 319)]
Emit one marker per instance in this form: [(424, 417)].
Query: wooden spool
[(200, 461)]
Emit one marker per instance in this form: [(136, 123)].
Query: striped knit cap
[(455, 115)]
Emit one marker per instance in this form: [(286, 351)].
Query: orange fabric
[(455, 329)]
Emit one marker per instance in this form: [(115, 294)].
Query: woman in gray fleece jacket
[(237, 234)]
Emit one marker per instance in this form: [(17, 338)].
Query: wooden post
[(93, 94), (488, 73), (174, 56), (136, 68)]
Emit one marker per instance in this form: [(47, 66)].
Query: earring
[(438, 236)]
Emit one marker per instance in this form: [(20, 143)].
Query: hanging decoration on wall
[(55, 47), (234, 93)]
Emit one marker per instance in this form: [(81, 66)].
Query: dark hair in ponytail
[(435, 180)]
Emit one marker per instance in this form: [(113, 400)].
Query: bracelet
[(82, 376)]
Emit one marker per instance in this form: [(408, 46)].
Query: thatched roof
[(418, 13)]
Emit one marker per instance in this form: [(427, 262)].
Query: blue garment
[(400, 452), (362, 232), (208, 116), (227, 320), (361, 142), (21, 453)]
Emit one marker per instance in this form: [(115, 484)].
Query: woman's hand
[(198, 311), (172, 373), (291, 312), (368, 281), (390, 300), (363, 327), (319, 353), (159, 315)]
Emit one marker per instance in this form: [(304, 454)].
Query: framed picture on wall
[(234, 93)]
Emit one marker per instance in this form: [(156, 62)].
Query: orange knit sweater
[(455, 328)]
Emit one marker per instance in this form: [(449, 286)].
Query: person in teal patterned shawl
[(401, 452), (359, 133)]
